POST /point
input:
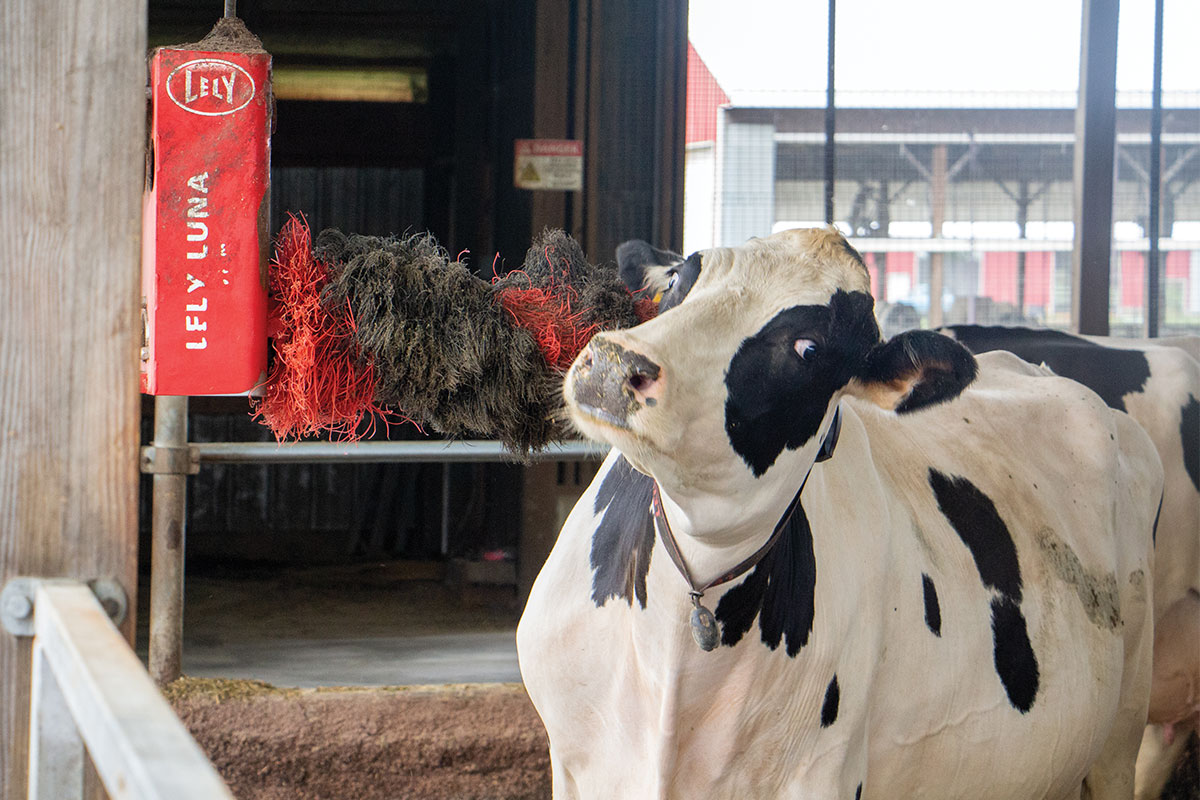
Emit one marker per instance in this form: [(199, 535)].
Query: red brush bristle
[(546, 313), (560, 333), (319, 380)]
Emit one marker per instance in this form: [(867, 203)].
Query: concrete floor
[(368, 625), (381, 661)]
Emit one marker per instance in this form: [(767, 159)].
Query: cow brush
[(369, 329)]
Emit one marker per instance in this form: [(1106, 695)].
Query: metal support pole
[(885, 222), (1022, 226), (167, 544), (830, 120), (1153, 267), (937, 204), (1095, 147)]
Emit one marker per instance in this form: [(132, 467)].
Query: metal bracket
[(19, 595), (166, 460)]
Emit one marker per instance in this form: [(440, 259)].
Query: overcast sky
[(1018, 46)]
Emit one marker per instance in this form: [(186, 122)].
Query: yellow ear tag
[(658, 297)]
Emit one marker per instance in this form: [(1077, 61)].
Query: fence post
[(72, 123)]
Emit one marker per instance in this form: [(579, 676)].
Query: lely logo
[(210, 87)]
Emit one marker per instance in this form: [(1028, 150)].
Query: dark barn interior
[(400, 117)]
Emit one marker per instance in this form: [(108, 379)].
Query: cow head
[(732, 383)]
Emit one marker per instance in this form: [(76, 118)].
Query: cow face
[(740, 375)]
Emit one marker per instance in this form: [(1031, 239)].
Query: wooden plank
[(139, 747), (72, 116)]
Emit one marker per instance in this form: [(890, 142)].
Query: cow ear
[(643, 266), (913, 370)]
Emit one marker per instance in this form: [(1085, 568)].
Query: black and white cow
[(956, 603), (1157, 382)]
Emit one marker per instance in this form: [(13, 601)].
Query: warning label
[(555, 164)]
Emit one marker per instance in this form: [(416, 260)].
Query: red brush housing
[(204, 271)]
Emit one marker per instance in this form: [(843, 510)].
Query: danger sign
[(555, 164)]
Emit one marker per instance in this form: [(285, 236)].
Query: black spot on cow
[(933, 611), (776, 396), (973, 516), (829, 709), (780, 592), (1189, 430), (624, 538), (1013, 654), (1110, 372)]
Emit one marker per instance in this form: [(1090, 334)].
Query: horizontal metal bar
[(138, 745), (374, 452)]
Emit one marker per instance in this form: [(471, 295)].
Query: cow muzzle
[(611, 382)]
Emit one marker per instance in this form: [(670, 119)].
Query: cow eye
[(804, 347), (672, 279)]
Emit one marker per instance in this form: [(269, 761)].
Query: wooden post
[(937, 203), (553, 102), (72, 117)]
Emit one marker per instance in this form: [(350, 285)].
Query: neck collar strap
[(703, 621)]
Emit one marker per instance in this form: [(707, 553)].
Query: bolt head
[(18, 606)]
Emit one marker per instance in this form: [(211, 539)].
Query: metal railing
[(92, 697)]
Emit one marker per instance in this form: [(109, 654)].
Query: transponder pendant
[(704, 626)]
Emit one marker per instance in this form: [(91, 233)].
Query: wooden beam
[(72, 123), (553, 101)]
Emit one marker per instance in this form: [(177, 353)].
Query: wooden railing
[(92, 697)]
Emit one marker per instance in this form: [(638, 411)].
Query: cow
[(817, 564), (1157, 382)]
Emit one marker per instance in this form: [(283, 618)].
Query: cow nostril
[(639, 381)]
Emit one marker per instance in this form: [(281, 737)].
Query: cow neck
[(703, 621)]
